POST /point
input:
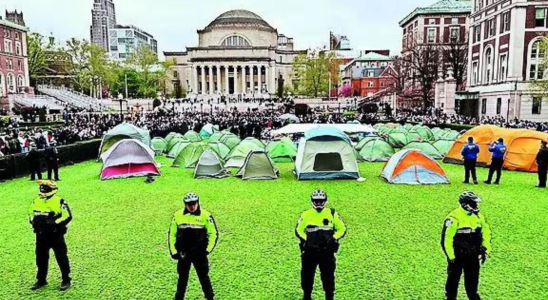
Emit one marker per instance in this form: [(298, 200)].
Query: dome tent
[(257, 166), (215, 137), (175, 150), (398, 139), (413, 167), (220, 149), (237, 156), (192, 136), (376, 150), (230, 140), (208, 130), (189, 156), (326, 153), (210, 166), (121, 132), (170, 136), (128, 158), (174, 141), (256, 142), (159, 145), (365, 140), (443, 146), (426, 148), (282, 151)]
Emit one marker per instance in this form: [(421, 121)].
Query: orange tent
[(412, 166), (523, 146)]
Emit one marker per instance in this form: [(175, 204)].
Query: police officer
[(470, 153), (542, 162), (52, 161), (466, 240), (498, 149), (49, 215), (33, 159), (319, 231), (192, 236)]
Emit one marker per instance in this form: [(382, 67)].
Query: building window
[(483, 106), (281, 59), (540, 17), (9, 64), (488, 65), (19, 65), (431, 35), (537, 105), (17, 35), (7, 46), (11, 83), (503, 67), (475, 79), (455, 21), (491, 27), (505, 25), (431, 21), (20, 81), (454, 34), (382, 84), (370, 74), (499, 104), (477, 33), (235, 41), (370, 84), (536, 70)]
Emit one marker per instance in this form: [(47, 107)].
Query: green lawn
[(117, 240)]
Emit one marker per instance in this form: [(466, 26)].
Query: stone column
[(244, 83), (194, 79), (259, 79), (211, 87), (203, 79), (273, 75), (226, 80), (266, 78), (251, 78), (219, 87), (236, 89)]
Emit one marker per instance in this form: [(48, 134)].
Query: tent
[(237, 156), (170, 136), (215, 137), (230, 140), (189, 156), (398, 139), (220, 149), (121, 132), (257, 166), (376, 150), (282, 151), (159, 145), (292, 118), (256, 142), (175, 150), (523, 146), (443, 146), (210, 166), (365, 140), (192, 136), (413, 167), (326, 153), (426, 148), (208, 130), (174, 141), (451, 135), (128, 158)]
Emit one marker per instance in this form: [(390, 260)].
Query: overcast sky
[(369, 24)]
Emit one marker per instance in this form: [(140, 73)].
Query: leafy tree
[(163, 73), (313, 71), (144, 60), (36, 56)]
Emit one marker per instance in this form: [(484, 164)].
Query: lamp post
[(121, 99)]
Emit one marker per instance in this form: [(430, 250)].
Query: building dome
[(239, 18)]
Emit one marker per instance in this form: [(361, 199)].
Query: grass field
[(117, 240)]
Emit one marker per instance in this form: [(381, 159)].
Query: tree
[(540, 86), (455, 56), (144, 60), (314, 70), (163, 73), (36, 56)]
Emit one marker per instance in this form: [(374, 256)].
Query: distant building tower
[(15, 17), (103, 19)]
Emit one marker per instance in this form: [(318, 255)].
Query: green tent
[(230, 140), (255, 141), (257, 166), (237, 156), (426, 148), (193, 136), (216, 137), (210, 166), (159, 145), (376, 150), (366, 139), (122, 132), (414, 136), (425, 133), (174, 141), (189, 156), (220, 149), (400, 129), (443, 146), (452, 135), (170, 136), (408, 126), (398, 139), (175, 150), (282, 151)]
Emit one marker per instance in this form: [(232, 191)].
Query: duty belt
[(40, 213), (319, 228), (191, 226), (466, 230)]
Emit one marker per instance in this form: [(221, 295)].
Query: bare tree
[(455, 56)]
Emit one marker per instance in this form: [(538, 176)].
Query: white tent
[(302, 128), (326, 153), (128, 158)]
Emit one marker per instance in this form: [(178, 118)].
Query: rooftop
[(239, 17), (440, 7)]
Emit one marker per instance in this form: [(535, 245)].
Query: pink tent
[(128, 158)]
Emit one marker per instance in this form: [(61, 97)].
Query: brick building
[(14, 76), (504, 55), (369, 74)]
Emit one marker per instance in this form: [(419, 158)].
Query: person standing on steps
[(470, 153)]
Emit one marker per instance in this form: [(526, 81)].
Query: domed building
[(239, 54)]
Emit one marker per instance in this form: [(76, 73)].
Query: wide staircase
[(71, 97), (50, 103)]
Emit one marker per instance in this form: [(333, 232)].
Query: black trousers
[(53, 166), (201, 265), (55, 242), (496, 166), (542, 172), (327, 263), (471, 267), (35, 171), (470, 169)]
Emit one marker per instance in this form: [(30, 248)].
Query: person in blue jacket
[(498, 148), (470, 153)]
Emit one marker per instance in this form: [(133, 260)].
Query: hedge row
[(13, 166)]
